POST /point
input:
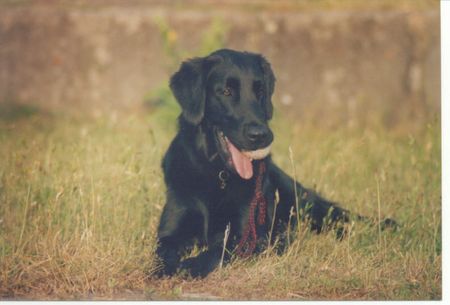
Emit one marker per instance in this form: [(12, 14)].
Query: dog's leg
[(170, 245), (322, 213), (169, 253), (310, 204), (208, 260), (204, 263), (181, 223)]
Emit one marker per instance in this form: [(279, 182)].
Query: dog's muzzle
[(258, 154), (238, 160)]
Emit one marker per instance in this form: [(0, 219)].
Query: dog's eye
[(261, 91), (258, 89), (227, 91)]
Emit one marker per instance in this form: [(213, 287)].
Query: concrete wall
[(347, 63)]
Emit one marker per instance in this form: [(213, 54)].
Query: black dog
[(218, 169)]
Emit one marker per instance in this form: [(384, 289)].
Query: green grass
[(80, 201)]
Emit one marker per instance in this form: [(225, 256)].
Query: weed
[(212, 39)]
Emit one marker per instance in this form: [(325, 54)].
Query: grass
[(80, 200)]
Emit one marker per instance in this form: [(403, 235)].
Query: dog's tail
[(322, 213)]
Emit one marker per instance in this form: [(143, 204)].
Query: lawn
[(80, 200)]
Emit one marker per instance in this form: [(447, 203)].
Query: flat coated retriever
[(219, 173)]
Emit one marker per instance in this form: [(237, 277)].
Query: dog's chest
[(230, 204)]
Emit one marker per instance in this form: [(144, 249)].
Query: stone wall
[(347, 63)]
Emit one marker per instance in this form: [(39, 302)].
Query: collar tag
[(223, 177)]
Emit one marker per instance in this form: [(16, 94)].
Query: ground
[(81, 197)]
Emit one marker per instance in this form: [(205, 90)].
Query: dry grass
[(80, 201)]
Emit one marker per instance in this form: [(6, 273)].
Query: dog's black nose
[(257, 133)]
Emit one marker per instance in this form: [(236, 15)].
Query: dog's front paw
[(163, 271), (202, 264), (192, 267)]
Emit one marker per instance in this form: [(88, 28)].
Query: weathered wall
[(110, 56)]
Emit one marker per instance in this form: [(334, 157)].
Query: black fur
[(228, 91)]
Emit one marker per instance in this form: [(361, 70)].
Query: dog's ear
[(269, 82), (188, 85)]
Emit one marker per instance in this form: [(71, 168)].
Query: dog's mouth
[(239, 160)]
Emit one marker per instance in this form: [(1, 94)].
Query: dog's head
[(232, 92)]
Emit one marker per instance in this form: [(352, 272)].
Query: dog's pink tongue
[(242, 164)]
